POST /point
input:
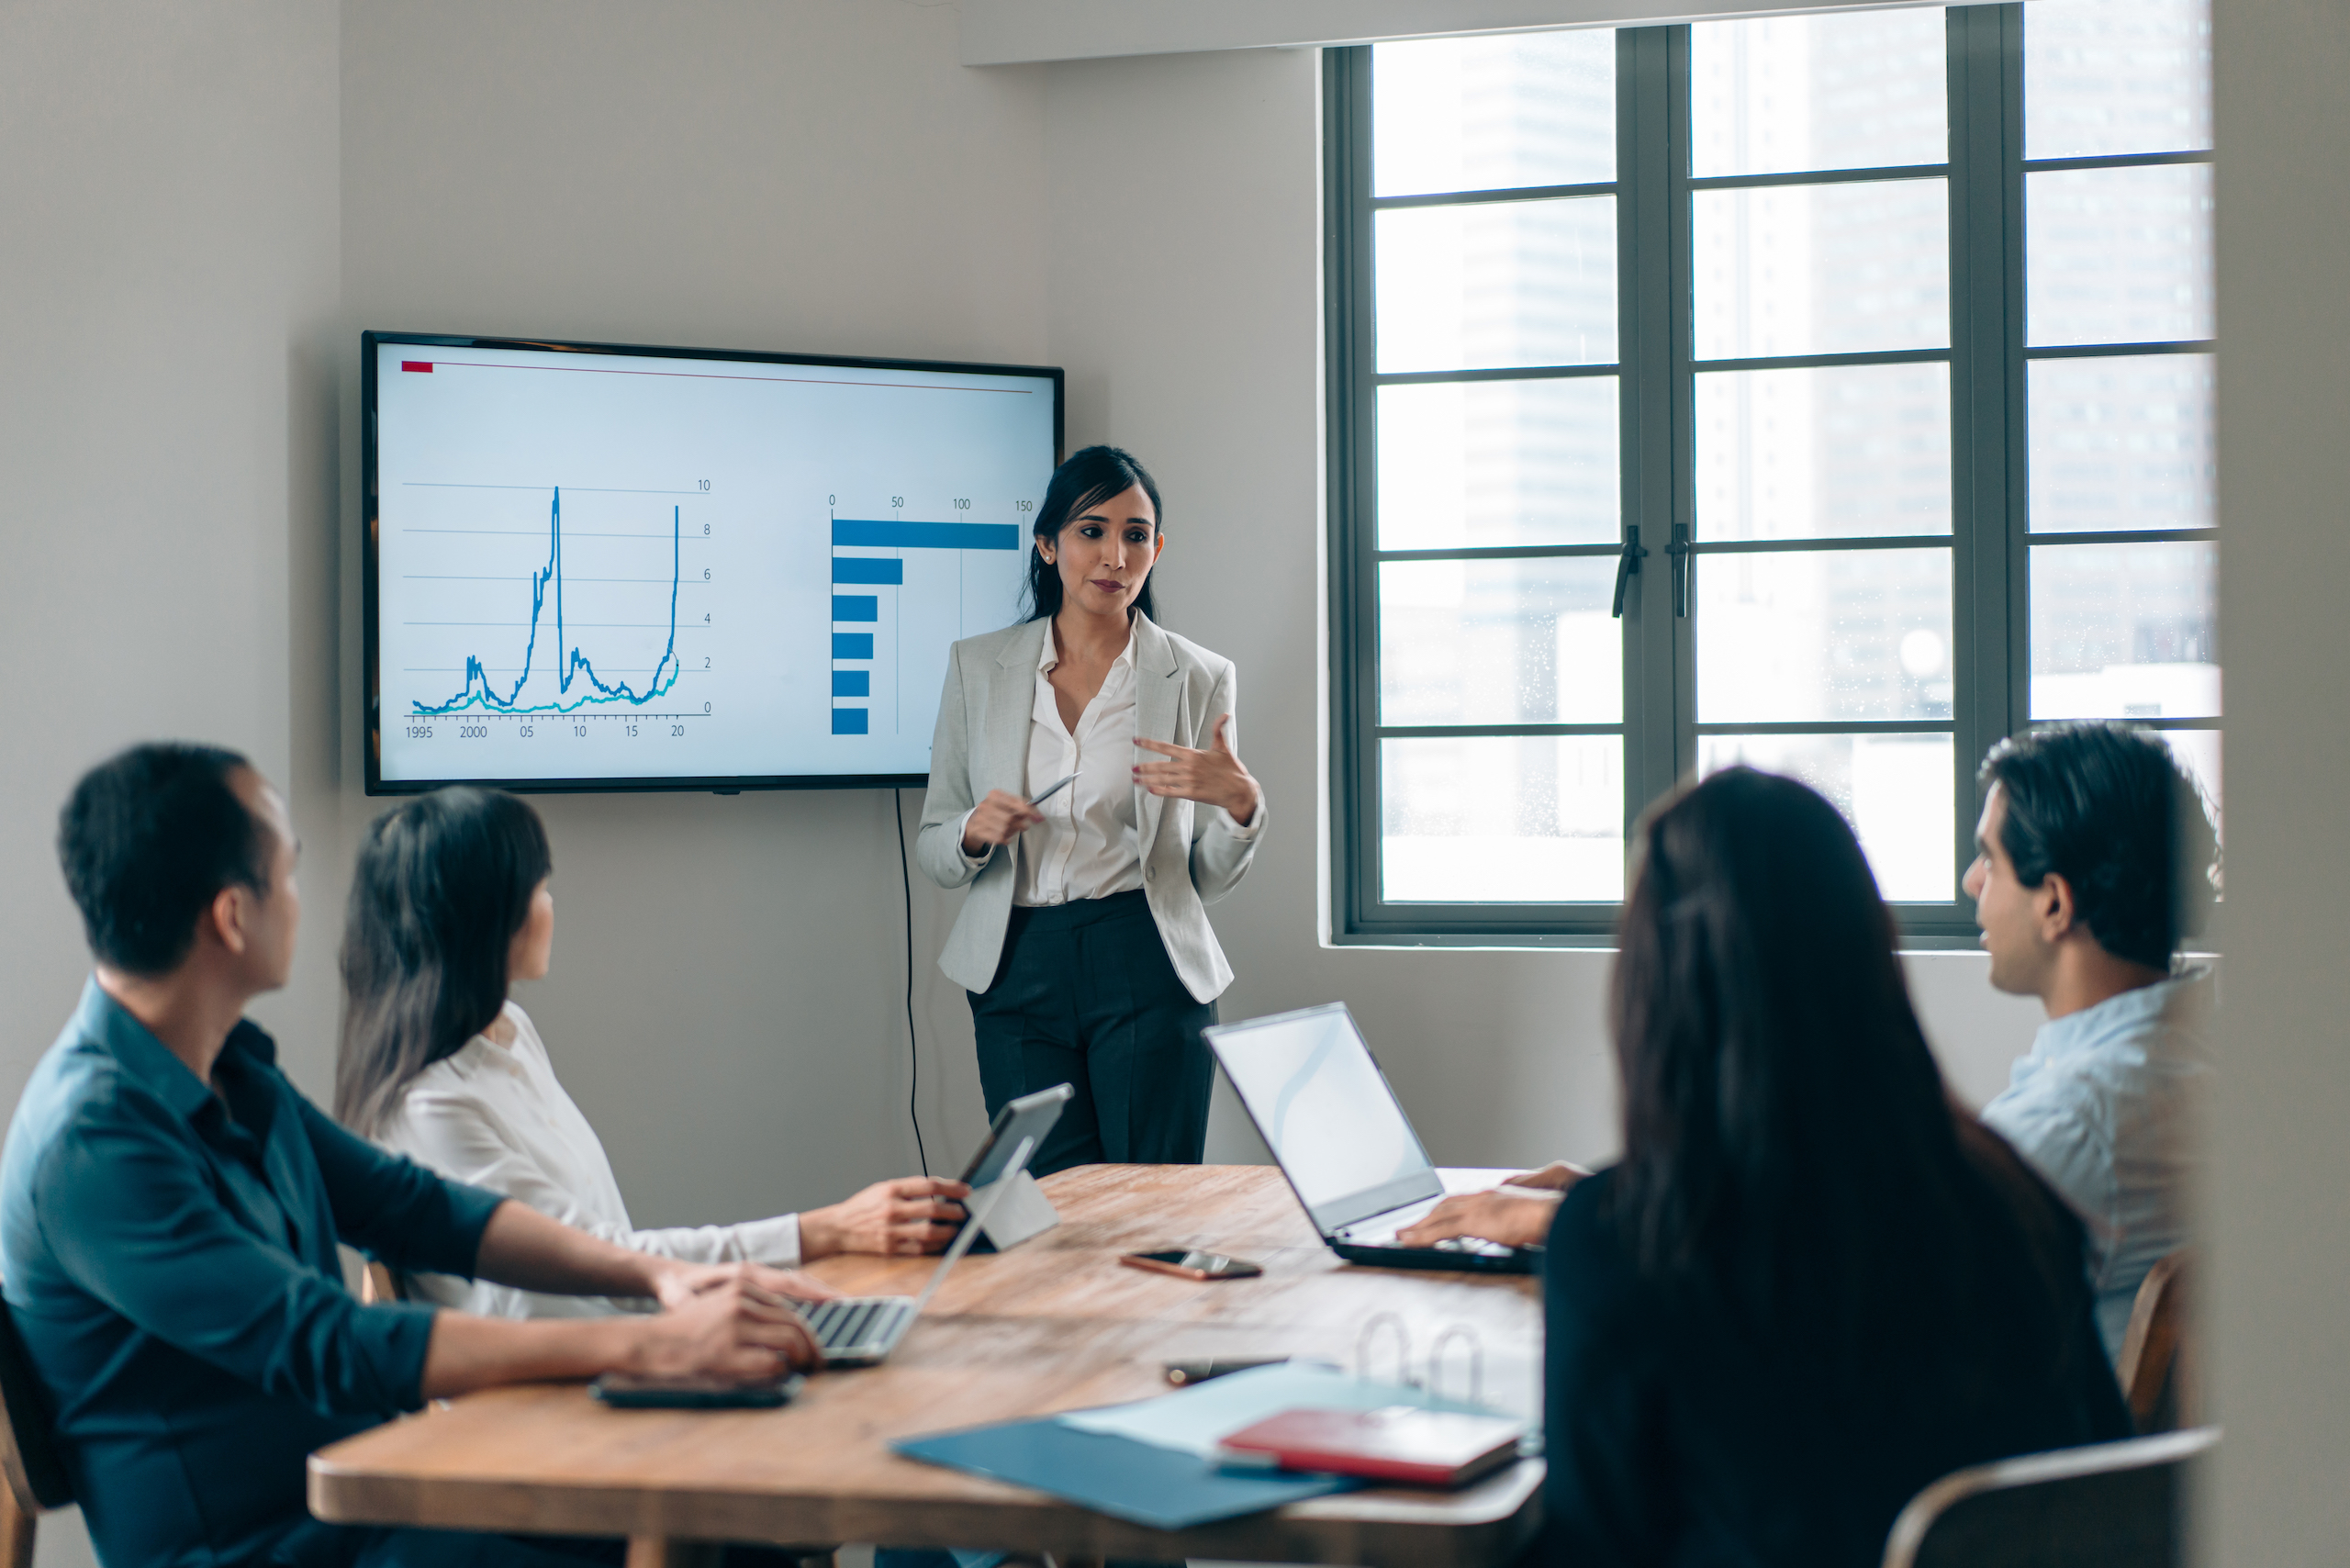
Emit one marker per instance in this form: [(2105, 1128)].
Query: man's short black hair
[(148, 839), (2108, 808)]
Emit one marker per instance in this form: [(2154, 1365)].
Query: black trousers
[(1085, 994)]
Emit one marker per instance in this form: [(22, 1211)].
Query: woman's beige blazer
[(1190, 858)]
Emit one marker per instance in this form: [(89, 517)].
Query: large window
[(1830, 393)]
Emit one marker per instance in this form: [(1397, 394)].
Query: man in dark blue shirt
[(170, 1206)]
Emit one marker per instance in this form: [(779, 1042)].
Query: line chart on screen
[(563, 678)]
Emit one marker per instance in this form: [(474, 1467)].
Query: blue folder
[(1163, 1488)]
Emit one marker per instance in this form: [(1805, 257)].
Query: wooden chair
[(28, 1459), (377, 1284), (2106, 1505), (2157, 1370)]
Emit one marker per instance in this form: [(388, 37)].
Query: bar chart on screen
[(906, 585)]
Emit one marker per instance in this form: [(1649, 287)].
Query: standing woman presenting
[(1084, 942)]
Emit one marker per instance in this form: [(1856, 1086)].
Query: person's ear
[(2053, 902), (226, 914)]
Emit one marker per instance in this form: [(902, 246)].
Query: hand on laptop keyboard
[(1510, 1218)]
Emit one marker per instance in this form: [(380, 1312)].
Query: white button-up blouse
[(1088, 846)]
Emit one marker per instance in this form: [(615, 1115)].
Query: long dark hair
[(1084, 482), (443, 883), (1789, 1145)]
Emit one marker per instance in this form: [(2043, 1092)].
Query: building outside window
[(1830, 393)]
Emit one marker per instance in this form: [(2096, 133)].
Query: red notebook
[(1400, 1443)]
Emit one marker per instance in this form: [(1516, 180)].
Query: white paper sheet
[(1197, 1419)]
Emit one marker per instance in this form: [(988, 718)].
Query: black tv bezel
[(722, 784)]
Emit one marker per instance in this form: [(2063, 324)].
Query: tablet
[(1030, 1116)]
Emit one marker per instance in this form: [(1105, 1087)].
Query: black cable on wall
[(913, 1054)]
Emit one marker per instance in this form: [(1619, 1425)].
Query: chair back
[(2106, 1505), (2155, 1368), (379, 1285), (29, 1457)]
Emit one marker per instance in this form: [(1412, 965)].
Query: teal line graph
[(571, 665)]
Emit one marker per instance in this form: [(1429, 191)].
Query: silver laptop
[(1326, 1111), (858, 1330)]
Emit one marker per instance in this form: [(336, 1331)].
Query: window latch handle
[(1628, 565), (1683, 559)]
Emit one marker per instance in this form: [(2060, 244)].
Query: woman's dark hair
[(1789, 1147), (1078, 486), (148, 840), (2108, 809), (444, 884)]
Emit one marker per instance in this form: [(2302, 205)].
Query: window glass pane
[(2109, 76), (1803, 637), (1493, 113), (1499, 642), (1895, 790), (1503, 820), (1468, 465), (2123, 441), (1836, 452), (1497, 283), (2118, 255), (1822, 269), (1781, 94), (2198, 751), (2124, 632)]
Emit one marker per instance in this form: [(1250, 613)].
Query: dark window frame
[(1989, 540)]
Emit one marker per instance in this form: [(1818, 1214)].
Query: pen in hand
[(1003, 817)]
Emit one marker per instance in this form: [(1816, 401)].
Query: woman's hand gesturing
[(1214, 777)]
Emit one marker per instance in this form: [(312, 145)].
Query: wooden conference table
[(1054, 1324)]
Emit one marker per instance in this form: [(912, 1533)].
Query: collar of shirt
[(118, 1032), (1048, 658), (2162, 1019)]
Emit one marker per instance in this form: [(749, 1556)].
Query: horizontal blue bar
[(869, 569), (856, 607), (927, 535), (848, 720), (852, 645), (852, 683)]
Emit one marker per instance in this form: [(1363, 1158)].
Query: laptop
[(859, 1330), (1326, 1111)]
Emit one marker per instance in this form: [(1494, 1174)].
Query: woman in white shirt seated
[(449, 905), (1084, 941)]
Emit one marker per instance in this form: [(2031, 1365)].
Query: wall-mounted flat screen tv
[(599, 567)]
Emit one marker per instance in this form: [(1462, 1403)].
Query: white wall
[(796, 175), (168, 265), (2281, 1228)]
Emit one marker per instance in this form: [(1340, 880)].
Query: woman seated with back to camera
[(449, 905), (1812, 1284)]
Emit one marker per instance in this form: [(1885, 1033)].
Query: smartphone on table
[(622, 1392), (1189, 1265)]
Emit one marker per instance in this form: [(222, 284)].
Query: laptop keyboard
[(848, 1322), (1385, 1235)]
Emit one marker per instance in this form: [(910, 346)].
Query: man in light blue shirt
[(2094, 857)]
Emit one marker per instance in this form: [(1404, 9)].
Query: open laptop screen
[(1323, 1107)]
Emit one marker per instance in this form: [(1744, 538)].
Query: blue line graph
[(570, 662)]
